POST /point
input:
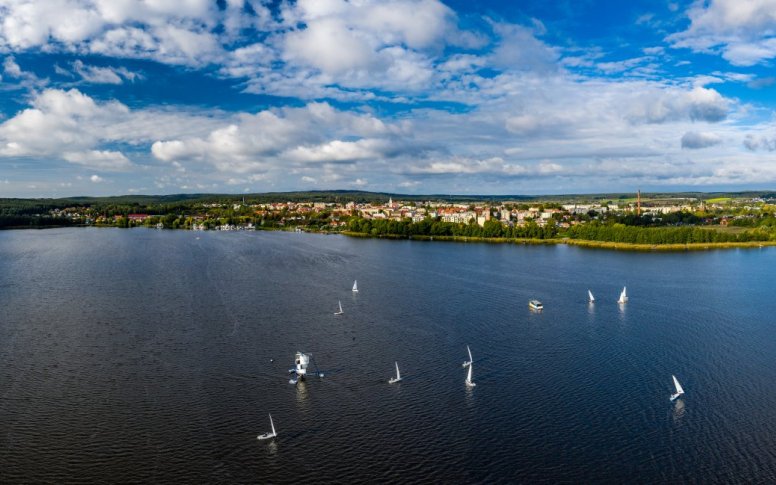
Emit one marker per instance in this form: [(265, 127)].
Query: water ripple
[(144, 356)]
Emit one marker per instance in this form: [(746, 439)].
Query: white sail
[(340, 312), (590, 296), (623, 296), (355, 286), (468, 362), (268, 435), (678, 386), (469, 377), (398, 375)]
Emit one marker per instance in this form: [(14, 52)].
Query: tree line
[(24, 220), (621, 233), (593, 231), (434, 227)]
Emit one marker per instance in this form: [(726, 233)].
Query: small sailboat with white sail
[(355, 286), (340, 312), (623, 296), (469, 382), (679, 390), (398, 376), (590, 297), (269, 434), (467, 363)]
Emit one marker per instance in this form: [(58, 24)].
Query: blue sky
[(107, 97)]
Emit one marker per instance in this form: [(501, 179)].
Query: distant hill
[(355, 196)]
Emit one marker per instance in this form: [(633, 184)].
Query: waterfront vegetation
[(592, 231), (685, 222), (429, 227)]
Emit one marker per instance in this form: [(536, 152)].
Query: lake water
[(145, 356)]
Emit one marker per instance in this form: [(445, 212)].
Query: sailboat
[(679, 390), (469, 382), (340, 312), (268, 435), (623, 296), (590, 296), (468, 362), (398, 376), (355, 286)]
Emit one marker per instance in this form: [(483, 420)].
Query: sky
[(110, 97)]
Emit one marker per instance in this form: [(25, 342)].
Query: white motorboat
[(535, 305)]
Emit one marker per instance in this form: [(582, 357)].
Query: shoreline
[(584, 243)]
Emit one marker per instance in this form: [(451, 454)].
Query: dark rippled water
[(144, 356)]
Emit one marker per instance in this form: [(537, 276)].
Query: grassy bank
[(578, 242), (665, 247), (494, 240)]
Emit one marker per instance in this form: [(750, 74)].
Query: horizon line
[(397, 194)]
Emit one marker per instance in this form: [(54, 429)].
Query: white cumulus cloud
[(313, 133), (100, 159), (742, 31), (178, 32)]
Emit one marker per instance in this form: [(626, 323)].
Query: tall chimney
[(638, 203)]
